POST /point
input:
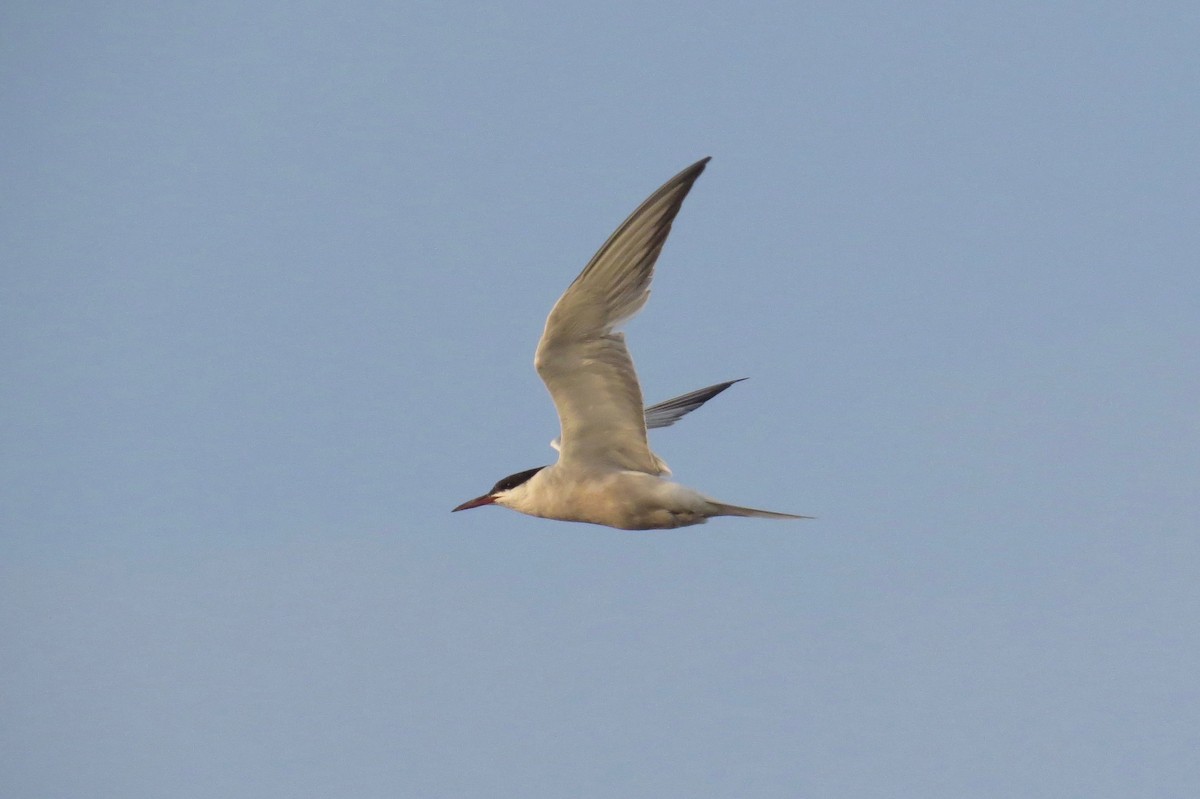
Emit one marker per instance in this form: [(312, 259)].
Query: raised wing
[(584, 363), (668, 412)]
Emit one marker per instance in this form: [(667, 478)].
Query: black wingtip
[(694, 170), (719, 387)]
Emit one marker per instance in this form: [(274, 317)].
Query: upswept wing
[(584, 362), (668, 412)]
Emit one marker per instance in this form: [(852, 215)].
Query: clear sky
[(272, 277)]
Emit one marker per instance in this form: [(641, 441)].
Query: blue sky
[(273, 276)]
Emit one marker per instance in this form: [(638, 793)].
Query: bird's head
[(502, 490)]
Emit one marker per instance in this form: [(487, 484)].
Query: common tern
[(606, 473)]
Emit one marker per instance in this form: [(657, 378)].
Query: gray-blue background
[(272, 278)]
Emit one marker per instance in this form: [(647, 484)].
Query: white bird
[(606, 473)]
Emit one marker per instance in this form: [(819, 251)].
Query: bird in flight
[(606, 473)]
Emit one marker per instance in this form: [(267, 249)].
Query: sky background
[(273, 274)]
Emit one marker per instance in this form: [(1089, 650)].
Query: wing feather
[(668, 412)]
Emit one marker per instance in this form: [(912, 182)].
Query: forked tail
[(721, 509)]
